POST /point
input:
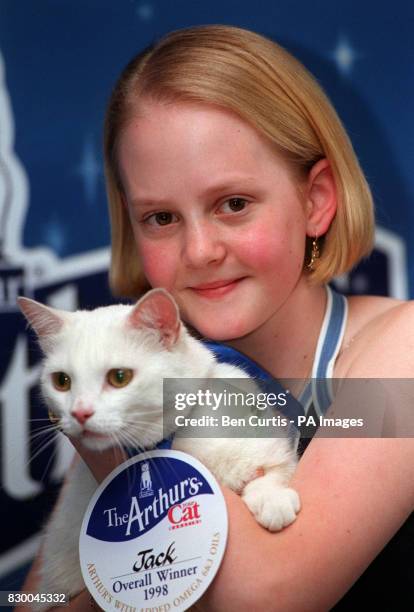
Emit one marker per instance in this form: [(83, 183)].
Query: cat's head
[(103, 369)]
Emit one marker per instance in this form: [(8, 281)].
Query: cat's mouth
[(95, 435), (96, 440)]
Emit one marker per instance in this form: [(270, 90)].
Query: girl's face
[(216, 215)]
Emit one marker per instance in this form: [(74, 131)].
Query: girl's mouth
[(216, 289)]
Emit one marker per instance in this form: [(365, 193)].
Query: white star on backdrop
[(345, 55), (54, 235), (145, 11), (358, 283), (89, 169)]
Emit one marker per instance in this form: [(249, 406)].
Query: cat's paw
[(272, 507)]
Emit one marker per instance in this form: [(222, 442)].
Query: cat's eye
[(119, 377), (61, 381)]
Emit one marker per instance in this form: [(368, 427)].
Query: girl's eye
[(234, 205), (61, 381), (119, 377), (160, 218)]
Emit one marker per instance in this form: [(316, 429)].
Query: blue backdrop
[(58, 62)]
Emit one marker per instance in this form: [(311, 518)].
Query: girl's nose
[(203, 245)]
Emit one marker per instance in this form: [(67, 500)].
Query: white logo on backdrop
[(22, 271)]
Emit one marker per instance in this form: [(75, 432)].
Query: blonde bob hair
[(263, 84)]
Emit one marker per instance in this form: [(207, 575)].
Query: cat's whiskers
[(151, 411), (46, 432), (51, 458), (131, 442), (139, 428), (153, 435), (138, 423), (144, 452), (142, 415), (122, 440), (41, 431), (39, 450), (116, 441), (43, 447), (128, 439)]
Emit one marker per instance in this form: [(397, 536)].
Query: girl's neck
[(285, 344)]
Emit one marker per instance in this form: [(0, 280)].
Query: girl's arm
[(355, 494)]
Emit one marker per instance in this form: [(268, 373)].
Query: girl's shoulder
[(379, 338)]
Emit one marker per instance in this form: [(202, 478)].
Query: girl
[(233, 185)]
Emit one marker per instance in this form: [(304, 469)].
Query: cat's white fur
[(149, 339)]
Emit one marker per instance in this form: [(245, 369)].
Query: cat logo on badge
[(145, 489)]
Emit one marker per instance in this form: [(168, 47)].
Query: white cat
[(102, 381)]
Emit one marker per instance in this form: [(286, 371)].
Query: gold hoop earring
[(315, 254)]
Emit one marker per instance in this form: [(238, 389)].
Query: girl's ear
[(321, 199), (157, 310)]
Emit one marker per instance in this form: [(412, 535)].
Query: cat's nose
[(82, 413)]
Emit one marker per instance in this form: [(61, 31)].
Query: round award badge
[(154, 534)]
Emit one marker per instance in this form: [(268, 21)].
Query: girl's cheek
[(262, 248), (158, 264), (278, 254)]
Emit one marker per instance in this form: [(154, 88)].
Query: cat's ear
[(45, 321), (157, 310)]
